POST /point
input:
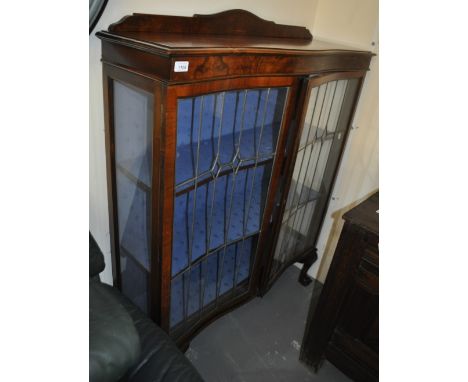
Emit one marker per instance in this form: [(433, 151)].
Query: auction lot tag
[(181, 66)]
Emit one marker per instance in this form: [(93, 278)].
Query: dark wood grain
[(110, 171), (214, 64), (240, 22), (156, 186), (253, 65), (141, 51), (168, 158), (152, 43), (344, 326), (174, 44), (264, 249), (364, 215)]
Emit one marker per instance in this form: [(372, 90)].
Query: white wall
[(298, 12), (354, 23), (348, 21)]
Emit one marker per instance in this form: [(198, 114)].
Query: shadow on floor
[(260, 341)]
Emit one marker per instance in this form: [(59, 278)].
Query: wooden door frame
[(154, 87), (175, 92), (267, 279)]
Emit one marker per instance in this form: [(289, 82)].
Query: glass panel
[(212, 277), (226, 143), (134, 280), (320, 144), (133, 122)]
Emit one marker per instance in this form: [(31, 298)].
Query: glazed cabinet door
[(324, 125), (130, 121), (222, 161)]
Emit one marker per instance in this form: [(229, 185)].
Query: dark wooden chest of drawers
[(344, 325)]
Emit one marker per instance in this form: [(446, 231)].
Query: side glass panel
[(321, 142), (226, 144), (133, 122)]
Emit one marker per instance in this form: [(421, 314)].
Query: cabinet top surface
[(172, 42), (229, 32), (365, 214)]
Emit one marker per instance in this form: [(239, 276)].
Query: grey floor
[(260, 341)]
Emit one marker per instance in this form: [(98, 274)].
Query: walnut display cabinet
[(223, 136)]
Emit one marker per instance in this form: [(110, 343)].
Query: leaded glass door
[(226, 154), (319, 146)]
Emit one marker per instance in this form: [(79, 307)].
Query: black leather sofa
[(124, 344)]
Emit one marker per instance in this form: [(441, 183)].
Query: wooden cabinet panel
[(203, 131), (344, 327)]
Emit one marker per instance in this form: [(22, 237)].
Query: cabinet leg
[(314, 362), (308, 259), (318, 364), (183, 347)]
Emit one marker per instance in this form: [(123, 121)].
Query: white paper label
[(181, 66)]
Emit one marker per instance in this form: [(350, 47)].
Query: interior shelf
[(300, 195), (218, 154), (211, 279), (316, 135), (137, 171), (226, 143), (222, 211), (232, 202)]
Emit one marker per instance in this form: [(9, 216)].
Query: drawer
[(367, 273), (372, 241)]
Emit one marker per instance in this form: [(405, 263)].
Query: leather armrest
[(114, 344)]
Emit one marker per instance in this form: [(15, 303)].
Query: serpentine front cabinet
[(223, 136)]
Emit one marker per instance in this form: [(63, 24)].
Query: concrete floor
[(260, 341)]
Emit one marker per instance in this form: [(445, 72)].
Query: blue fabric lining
[(216, 133), (187, 288), (231, 193), (223, 126)]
